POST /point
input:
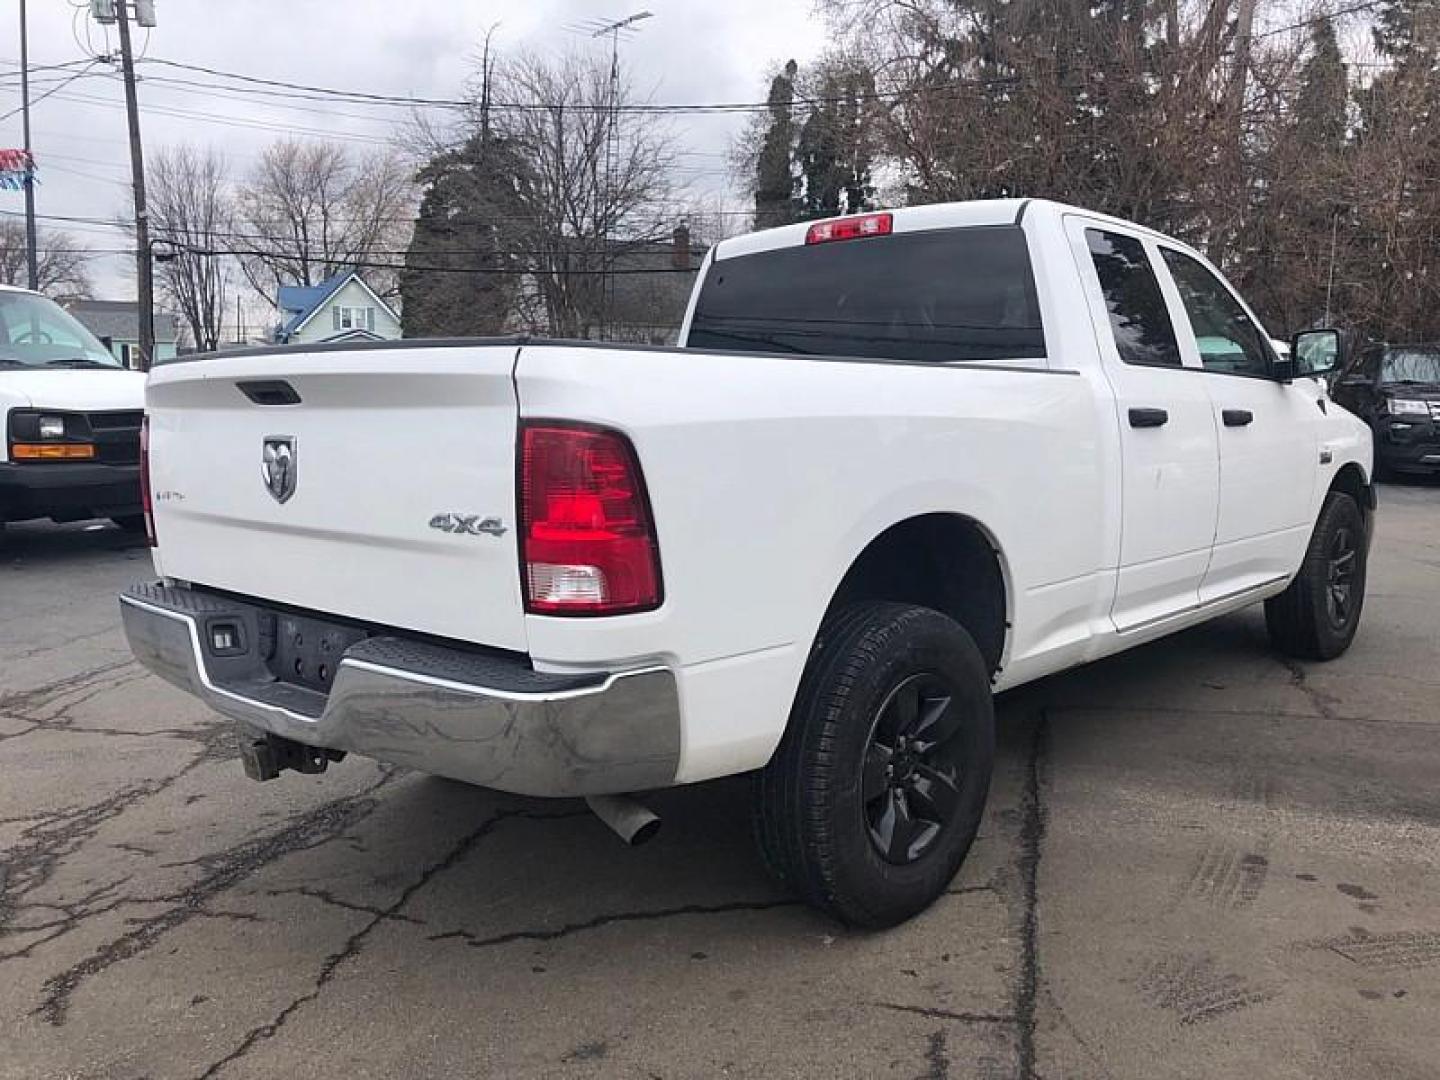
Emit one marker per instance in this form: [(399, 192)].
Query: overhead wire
[(1315, 20), (313, 92), (53, 90)]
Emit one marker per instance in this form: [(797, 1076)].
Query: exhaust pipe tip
[(626, 816)]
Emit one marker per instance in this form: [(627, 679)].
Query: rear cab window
[(940, 296), (1139, 319)]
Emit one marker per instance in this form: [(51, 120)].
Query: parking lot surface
[(1200, 860)]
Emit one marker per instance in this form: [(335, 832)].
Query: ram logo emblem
[(279, 466), (469, 524)]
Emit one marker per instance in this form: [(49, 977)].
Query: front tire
[(875, 794), (1316, 617)]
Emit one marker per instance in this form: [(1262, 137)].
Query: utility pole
[(144, 271), (612, 127), (32, 256)]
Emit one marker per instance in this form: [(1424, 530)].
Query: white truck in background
[(902, 461)]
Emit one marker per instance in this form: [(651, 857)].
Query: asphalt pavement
[(1200, 860)]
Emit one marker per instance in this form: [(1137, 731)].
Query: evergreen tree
[(835, 146), (462, 267), (775, 181), (1320, 106), (1408, 31)]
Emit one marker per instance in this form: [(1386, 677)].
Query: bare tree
[(192, 222), (552, 188), (61, 265), (597, 181), (310, 209)]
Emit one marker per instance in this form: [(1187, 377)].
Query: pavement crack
[(947, 1014), (37, 853), (325, 896), (1322, 702), (1034, 817), (936, 1060), (223, 870), (233, 916), (966, 890), (135, 849), (40, 650), (19, 703), (355, 943), (567, 929)]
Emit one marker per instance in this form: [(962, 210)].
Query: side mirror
[(1314, 352)]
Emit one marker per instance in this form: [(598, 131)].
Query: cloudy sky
[(690, 51)]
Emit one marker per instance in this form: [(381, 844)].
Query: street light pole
[(144, 271), (32, 257)]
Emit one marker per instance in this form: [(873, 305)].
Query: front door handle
[(1148, 417), (1237, 417)]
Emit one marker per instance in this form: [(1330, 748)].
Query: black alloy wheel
[(911, 785), (1342, 562)]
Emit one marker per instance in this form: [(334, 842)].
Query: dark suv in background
[(1396, 390)]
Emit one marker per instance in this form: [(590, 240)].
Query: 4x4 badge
[(278, 466), (471, 524)]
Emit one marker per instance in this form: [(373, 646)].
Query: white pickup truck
[(902, 461)]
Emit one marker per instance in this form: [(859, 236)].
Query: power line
[(233, 93), (54, 89), (1354, 9), (234, 121), (15, 74), (642, 108)]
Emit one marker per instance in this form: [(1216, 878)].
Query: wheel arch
[(1351, 480), (943, 560)]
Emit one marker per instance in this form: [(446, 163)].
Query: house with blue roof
[(340, 308)]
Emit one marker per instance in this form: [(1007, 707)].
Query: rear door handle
[(1237, 417), (1148, 417)]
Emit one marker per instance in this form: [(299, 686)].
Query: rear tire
[(874, 796), (1316, 617)]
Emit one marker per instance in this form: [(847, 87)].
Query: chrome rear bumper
[(483, 719)]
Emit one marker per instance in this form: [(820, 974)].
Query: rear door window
[(1139, 319), (941, 296)]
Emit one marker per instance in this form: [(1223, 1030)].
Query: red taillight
[(848, 228), (587, 543), (146, 504)]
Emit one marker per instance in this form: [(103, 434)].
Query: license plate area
[(304, 651)]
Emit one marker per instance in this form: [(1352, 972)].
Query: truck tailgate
[(364, 498)]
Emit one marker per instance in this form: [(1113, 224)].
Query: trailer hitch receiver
[(266, 756)]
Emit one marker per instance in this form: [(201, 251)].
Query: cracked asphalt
[(1199, 861)]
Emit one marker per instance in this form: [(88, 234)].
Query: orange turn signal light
[(51, 451)]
